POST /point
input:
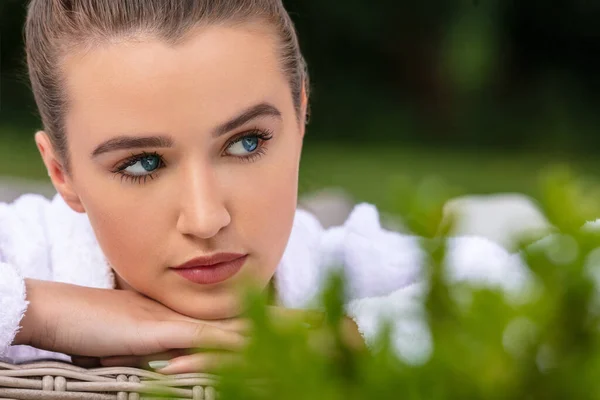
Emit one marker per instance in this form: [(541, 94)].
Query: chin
[(210, 306)]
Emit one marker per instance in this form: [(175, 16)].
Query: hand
[(90, 322), (190, 360)]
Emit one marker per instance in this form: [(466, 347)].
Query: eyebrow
[(259, 110), (124, 142), (133, 142)]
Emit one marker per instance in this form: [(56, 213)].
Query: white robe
[(44, 239)]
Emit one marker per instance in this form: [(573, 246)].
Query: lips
[(211, 269), (211, 260)]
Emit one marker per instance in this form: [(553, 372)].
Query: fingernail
[(158, 364)]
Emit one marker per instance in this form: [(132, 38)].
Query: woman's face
[(184, 151)]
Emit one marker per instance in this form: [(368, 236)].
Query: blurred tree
[(470, 72)]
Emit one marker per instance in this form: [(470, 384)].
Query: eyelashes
[(157, 162), (262, 136), (121, 169)]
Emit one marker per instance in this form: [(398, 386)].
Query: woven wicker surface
[(61, 381)]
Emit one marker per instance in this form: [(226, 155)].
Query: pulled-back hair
[(55, 27)]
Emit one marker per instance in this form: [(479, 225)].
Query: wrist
[(23, 336)]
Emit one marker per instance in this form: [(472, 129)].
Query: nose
[(203, 212)]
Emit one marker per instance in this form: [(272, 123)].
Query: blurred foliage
[(539, 343), (507, 74)]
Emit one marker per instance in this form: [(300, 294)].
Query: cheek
[(126, 227), (264, 208)]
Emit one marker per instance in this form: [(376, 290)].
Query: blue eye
[(244, 146), (250, 143), (143, 165), (150, 163)]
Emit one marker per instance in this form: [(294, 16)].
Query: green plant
[(541, 344)]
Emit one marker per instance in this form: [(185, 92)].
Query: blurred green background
[(485, 94)]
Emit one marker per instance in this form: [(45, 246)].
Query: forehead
[(210, 76)]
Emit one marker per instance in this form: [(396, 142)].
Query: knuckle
[(199, 331)]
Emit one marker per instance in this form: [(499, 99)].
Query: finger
[(237, 324), (205, 362), (240, 325), (141, 361), (187, 335), (311, 318)]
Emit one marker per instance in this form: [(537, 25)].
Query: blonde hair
[(55, 27)]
